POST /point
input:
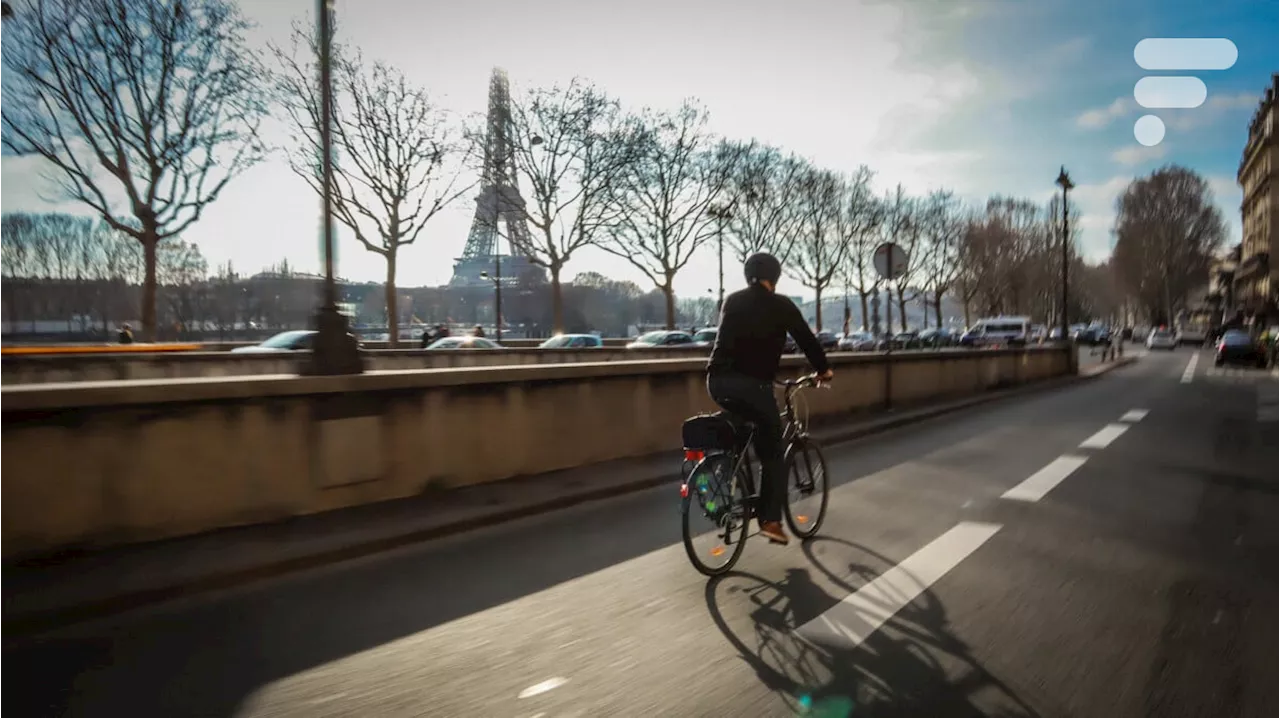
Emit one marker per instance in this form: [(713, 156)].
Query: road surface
[(1107, 549)]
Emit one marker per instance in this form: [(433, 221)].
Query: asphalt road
[(1132, 576)]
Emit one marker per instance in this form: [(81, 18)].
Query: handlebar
[(808, 380)]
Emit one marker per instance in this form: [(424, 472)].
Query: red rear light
[(684, 491), (690, 455)]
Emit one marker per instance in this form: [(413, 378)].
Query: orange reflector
[(693, 455), (717, 550), (684, 491), (802, 519)]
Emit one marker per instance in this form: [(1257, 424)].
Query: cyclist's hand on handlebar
[(826, 376)]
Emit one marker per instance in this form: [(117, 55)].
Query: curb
[(34, 622)]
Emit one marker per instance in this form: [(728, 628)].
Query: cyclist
[(754, 323)]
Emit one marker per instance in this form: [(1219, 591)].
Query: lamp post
[(335, 350), (721, 213), (1064, 181), (497, 298)]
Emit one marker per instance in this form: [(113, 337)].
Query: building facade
[(1255, 277)]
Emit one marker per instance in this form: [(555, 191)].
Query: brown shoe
[(772, 530)]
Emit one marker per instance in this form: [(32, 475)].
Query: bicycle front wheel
[(807, 488), (714, 516)]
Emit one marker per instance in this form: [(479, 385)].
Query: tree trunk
[(902, 309), (669, 294), (817, 308), (862, 296), (149, 242), (393, 315), (937, 307), (557, 300)]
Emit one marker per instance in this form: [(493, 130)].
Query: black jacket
[(754, 324)]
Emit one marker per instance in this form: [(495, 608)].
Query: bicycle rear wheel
[(807, 488), (714, 515)]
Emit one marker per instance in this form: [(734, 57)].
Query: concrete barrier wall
[(97, 464), (57, 368)]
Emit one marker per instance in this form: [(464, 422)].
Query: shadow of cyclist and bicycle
[(898, 670)]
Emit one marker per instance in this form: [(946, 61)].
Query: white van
[(1001, 331)]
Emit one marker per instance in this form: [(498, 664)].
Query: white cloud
[(1138, 154), (1215, 109), (1100, 117)]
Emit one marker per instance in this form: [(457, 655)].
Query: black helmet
[(762, 266)]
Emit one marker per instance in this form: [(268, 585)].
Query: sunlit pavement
[(1105, 549)]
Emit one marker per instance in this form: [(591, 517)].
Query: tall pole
[(326, 147), (334, 351), (497, 297), (720, 252), (1064, 181)]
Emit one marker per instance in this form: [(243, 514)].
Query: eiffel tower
[(499, 202)]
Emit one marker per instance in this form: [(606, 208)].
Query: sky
[(978, 96)]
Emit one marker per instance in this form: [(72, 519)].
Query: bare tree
[(151, 102), (857, 224), (820, 251), (399, 161), (897, 225), (183, 277), (571, 146), (763, 192), (944, 226), (663, 195), (1167, 229)]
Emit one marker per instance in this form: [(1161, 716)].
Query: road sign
[(890, 260)]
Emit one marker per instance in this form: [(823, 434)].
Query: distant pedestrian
[(478, 332), (126, 335)]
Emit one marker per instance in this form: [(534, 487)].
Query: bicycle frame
[(793, 430)]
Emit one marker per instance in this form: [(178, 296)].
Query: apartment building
[(1255, 276)]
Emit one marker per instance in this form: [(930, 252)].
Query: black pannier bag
[(708, 432)]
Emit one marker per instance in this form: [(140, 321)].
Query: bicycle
[(721, 484)]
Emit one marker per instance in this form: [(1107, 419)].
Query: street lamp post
[(721, 213), (335, 350), (497, 297), (1064, 181)]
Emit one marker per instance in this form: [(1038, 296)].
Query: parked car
[(998, 331), (1239, 347), (573, 341), (937, 337), (790, 346), (1161, 339), (705, 337), (298, 340), (906, 340), (857, 342), (828, 340), (464, 343), (661, 338)]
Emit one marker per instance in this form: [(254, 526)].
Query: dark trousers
[(753, 400)]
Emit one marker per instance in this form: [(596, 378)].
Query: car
[(705, 337), (464, 343), (906, 340), (1162, 339), (1239, 347), (297, 340), (997, 331), (662, 338), (936, 337), (828, 340), (857, 342), (573, 341)]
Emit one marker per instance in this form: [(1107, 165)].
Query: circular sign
[(890, 260)]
